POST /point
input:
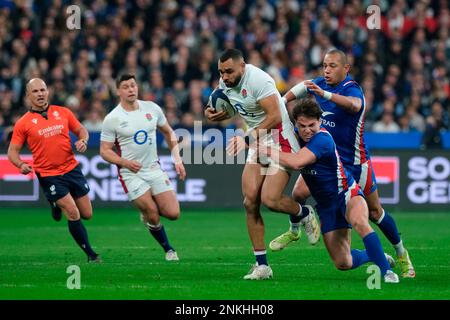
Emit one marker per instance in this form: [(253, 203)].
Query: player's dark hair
[(308, 108), (234, 54), (341, 54), (124, 77)]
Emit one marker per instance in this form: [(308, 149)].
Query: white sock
[(153, 227), (399, 249)]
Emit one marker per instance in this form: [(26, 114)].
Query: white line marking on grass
[(13, 285)]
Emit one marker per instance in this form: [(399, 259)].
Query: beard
[(234, 83)]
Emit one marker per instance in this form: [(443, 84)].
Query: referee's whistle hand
[(81, 146), (26, 168)]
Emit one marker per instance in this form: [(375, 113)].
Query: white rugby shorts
[(282, 140), (153, 178)]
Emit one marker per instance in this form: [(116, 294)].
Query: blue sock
[(359, 257), (261, 257), (375, 252), (296, 219), (389, 228), (79, 234), (160, 235)]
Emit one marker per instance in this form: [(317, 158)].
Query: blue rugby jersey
[(327, 177), (346, 128)]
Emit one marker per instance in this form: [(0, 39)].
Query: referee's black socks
[(79, 233)]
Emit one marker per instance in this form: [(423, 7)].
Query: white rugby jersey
[(254, 86), (134, 132)]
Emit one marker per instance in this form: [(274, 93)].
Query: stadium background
[(172, 47)]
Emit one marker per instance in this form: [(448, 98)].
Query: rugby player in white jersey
[(131, 128), (254, 95)]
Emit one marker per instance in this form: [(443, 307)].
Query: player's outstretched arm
[(172, 142), (293, 161), (349, 104), (14, 157), (296, 92), (109, 155)]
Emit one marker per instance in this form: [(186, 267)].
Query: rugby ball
[(220, 102)]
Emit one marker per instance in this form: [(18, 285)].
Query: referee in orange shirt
[(45, 128)]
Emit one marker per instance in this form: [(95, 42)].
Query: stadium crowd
[(172, 47)]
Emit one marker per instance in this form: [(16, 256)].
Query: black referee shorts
[(56, 187)]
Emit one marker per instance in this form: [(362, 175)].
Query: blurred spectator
[(416, 120), (8, 130), (94, 120), (386, 124), (404, 124), (435, 124)]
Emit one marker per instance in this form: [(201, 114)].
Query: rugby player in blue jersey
[(340, 201), (343, 105)]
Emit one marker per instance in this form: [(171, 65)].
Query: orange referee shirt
[(48, 140)]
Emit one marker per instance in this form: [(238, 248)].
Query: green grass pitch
[(215, 253)]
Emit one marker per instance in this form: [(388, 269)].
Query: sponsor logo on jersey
[(308, 171), (325, 122), (51, 130), (34, 121)]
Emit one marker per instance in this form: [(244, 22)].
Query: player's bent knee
[(86, 215), (249, 204), (375, 214), (150, 215), (173, 215), (343, 265), (73, 214)]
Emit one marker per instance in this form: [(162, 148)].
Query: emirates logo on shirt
[(148, 116), (244, 93)]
